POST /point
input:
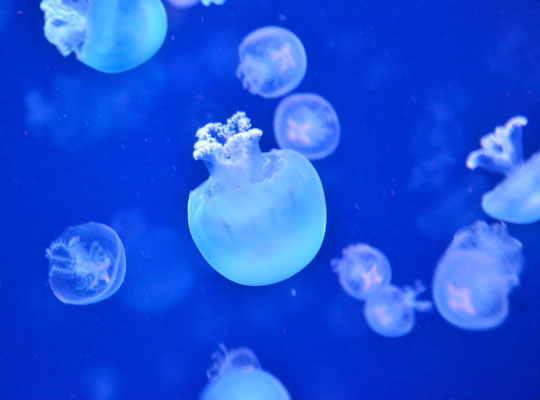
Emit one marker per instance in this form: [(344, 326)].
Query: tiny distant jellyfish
[(184, 3), (308, 124), (237, 375), (260, 217), (475, 276), (87, 264), (272, 62), (391, 312), (209, 2), (363, 270), (517, 198), (109, 36)]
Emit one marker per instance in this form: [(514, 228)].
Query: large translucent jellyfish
[(363, 270), (517, 198), (307, 123), (475, 276), (87, 264), (260, 217), (272, 61), (110, 36), (391, 312), (237, 375)]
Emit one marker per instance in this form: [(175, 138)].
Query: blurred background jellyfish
[(517, 198), (209, 2), (101, 382), (272, 62), (260, 217), (307, 123), (363, 270), (475, 276), (109, 36), (184, 3), (391, 312), (237, 375), (87, 264)]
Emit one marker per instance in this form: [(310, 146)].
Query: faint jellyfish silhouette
[(101, 383), (209, 2), (475, 276), (308, 124), (184, 3), (87, 264), (109, 36), (517, 198), (237, 375), (391, 312), (363, 270), (272, 61), (260, 217)]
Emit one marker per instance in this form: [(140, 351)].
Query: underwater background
[(415, 85)]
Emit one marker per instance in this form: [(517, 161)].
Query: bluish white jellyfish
[(209, 2), (475, 276), (517, 198), (391, 312), (237, 375), (260, 217), (184, 3), (109, 36), (272, 61), (307, 123), (87, 264), (363, 270)]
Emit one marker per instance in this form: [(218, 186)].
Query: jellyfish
[(308, 124), (517, 198), (87, 264), (475, 276), (260, 217), (363, 270), (209, 2), (184, 3), (272, 62), (237, 375), (391, 312), (109, 36)]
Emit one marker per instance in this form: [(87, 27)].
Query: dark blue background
[(415, 85)]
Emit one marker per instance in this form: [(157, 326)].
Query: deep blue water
[(415, 85)]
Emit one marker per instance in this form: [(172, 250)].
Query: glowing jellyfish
[(475, 276), (391, 312), (260, 217), (272, 61), (87, 264), (110, 36), (209, 2), (184, 3), (517, 198), (237, 375), (308, 124), (363, 270)]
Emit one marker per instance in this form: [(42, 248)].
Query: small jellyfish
[(210, 2), (109, 36), (391, 312), (184, 3), (87, 264), (272, 61), (308, 124), (475, 276), (237, 375), (517, 198), (363, 270)]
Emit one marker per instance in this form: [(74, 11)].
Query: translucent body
[(272, 61), (517, 198), (475, 276), (87, 264), (391, 312), (184, 3), (308, 124), (260, 217), (110, 36), (363, 270)]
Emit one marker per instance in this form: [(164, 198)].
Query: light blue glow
[(260, 217), (108, 35), (87, 264), (209, 2), (475, 276)]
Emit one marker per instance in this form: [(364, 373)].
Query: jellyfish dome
[(87, 264), (260, 217), (109, 36), (475, 276), (517, 198)]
